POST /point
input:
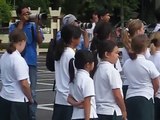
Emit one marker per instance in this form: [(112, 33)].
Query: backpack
[(50, 55)]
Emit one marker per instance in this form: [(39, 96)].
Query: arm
[(39, 35), (155, 83), (85, 37), (73, 102), (120, 102), (87, 107), (26, 90)]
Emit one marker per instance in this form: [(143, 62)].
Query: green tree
[(5, 14)]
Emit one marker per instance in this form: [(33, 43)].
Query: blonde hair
[(154, 42), (132, 27)]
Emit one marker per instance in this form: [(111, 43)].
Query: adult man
[(71, 19), (34, 36), (104, 15)]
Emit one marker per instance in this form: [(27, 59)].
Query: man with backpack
[(34, 36)]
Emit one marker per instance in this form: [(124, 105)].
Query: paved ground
[(45, 95)]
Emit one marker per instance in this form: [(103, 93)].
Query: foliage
[(5, 14), (34, 4), (81, 8)]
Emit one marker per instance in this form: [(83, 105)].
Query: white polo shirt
[(82, 87), (139, 73), (13, 69), (156, 60), (62, 76), (125, 57), (106, 79)]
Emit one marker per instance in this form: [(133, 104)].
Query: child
[(143, 79), (108, 84), (82, 87), (155, 57), (15, 92), (65, 51), (134, 27)]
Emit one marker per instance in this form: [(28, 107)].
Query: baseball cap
[(68, 19)]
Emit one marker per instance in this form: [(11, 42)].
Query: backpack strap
[(71, 70)]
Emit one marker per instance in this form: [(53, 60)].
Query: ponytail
[(11, 48)]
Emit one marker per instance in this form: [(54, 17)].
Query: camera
[(41, 16), (85, 25)]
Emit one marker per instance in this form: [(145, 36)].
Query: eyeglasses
[(25, 14)]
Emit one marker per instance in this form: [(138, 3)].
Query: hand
[(124, 115)]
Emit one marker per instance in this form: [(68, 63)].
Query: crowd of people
[(88, 72)]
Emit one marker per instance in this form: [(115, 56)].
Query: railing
[(54, 27)]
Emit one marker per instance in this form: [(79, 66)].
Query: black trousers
[(140, 108), (157, 108), (10, 110), (84, 119), (62, 112)]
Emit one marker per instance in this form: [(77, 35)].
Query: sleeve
[(21, 69), (11, 27), (88, 88), (35, 31), (114, 79), (153, 71)]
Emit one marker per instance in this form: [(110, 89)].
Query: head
[(70, 34), (84, 60), (70, 19), (104, 15), (108, 51), (139, 45), (70, 37), (102, 32), (17, 40), (23, 12), (134, 27), (94, 17), (154, 42)]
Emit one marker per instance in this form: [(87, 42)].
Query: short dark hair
[(19, 9), (103, 12), (105, 46), (82, 57)]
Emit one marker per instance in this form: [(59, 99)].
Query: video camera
[(85, 25), (42, 18)]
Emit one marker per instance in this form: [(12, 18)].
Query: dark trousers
[(109, 117), (13, 110), (62, 112), (157, 108), (139, 108), (84, 119)]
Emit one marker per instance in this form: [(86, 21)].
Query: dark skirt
[(140, 108), (62, 112), (10, 110), (157, 108), (109, 117)]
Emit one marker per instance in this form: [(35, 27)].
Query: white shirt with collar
[(82, 87), (156, 60), (62, 76), (106, 79), (139, 74), (13, 69)]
